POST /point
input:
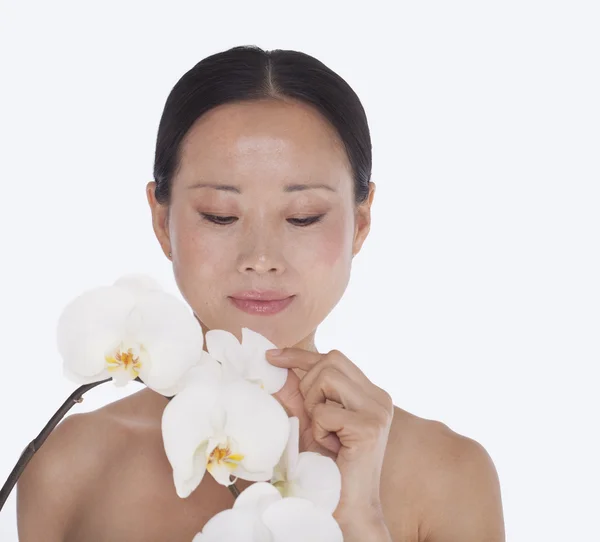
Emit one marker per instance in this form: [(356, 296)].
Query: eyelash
[(300, 222)]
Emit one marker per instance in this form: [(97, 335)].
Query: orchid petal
[(138, 284), (171, 336), (224, 347), (255, 346), (186, 427), (298, 520), (307, 475), (82, 380), (318, 479), (257, 422), (208, 371), (257, 497), (90, 327), (246, 360), (221, 473), (185, 485), (121, 378), (233, 526), (286, 467), (293, 445), (252, 476)]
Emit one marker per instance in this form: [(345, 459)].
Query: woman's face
[(252, 177)]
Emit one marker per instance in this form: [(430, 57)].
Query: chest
[(134, 500), (137, 516)]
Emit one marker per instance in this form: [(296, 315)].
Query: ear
[(160, 218), (363, 220)]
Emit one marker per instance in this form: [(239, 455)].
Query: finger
[(293, 358), (337, 361), (328, 440), (303, 359), (329, 420), (333, 385), (355, 430)]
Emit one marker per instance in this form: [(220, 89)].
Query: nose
[(260, 265), (260, 254)]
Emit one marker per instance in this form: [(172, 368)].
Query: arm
[(469, 505), (51, 484)]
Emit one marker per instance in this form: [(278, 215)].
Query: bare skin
[(104, 476)]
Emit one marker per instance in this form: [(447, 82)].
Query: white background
[(476, 298)]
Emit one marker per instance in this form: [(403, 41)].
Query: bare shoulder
[(448, 479), (54, 484), (51, 484), (81, 443)]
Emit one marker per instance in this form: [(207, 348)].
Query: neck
[(308, 343)]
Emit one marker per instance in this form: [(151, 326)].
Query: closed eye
[(307, 221), (226, 220), (221, 220)]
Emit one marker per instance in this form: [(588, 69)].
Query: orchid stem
[(35, 444), (75, 398)]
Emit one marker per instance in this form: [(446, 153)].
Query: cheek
[(325, 269), (206, 260), (332, 248), (199, 255), (335, 245)]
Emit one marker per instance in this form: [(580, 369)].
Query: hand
[(354, 432)]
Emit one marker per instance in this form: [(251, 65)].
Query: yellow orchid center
[(223, 456), (125, 361)]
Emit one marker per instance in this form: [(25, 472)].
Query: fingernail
[(275, 353)]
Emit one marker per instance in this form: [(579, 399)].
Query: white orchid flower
[(308, 475), (261, 514), (228, 427), (246, 360), (138, 284), (126, 330)]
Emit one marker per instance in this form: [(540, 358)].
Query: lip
[(261, 295), (262, 307)]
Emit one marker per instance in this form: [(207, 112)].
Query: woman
[(262, 197)]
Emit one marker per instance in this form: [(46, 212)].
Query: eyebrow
[(288, 188)]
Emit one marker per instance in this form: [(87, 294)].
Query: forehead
[(288, 139)]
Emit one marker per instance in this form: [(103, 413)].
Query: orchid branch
[(36, 444)]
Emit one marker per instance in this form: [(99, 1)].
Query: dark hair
[(250, 73)]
